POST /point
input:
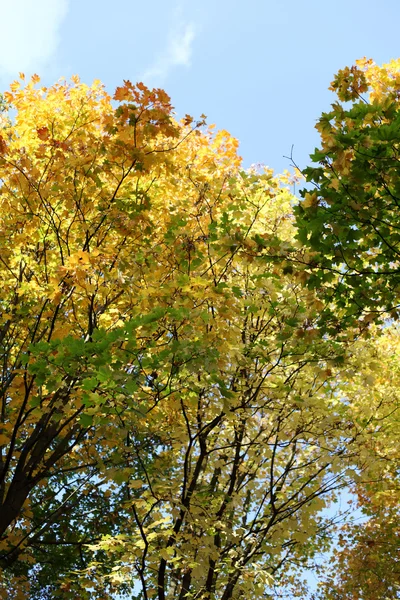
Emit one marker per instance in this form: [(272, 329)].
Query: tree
[(366, 559), (365, 563), (69, 162), (173, 420), (253, 445), (143, 320), (349, 227), (351, 220)]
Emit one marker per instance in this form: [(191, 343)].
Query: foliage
[(349, 227), (175, 413), (351, 219), (254, 442), (366, 559), (71, 265)]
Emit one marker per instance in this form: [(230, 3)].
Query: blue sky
[(258, 68)]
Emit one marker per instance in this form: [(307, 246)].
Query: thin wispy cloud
[(30, 34), (177, 53)]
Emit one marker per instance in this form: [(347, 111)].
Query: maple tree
[(143, 320), (349, 225), (365, 563), (351, 219), (175, 417), (69, 163), (366, 558)]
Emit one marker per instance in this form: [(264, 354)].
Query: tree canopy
[(188, 378), (349, 225), (351, 219)]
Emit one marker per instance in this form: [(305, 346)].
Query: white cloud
[(178, 52), (29, 34)]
